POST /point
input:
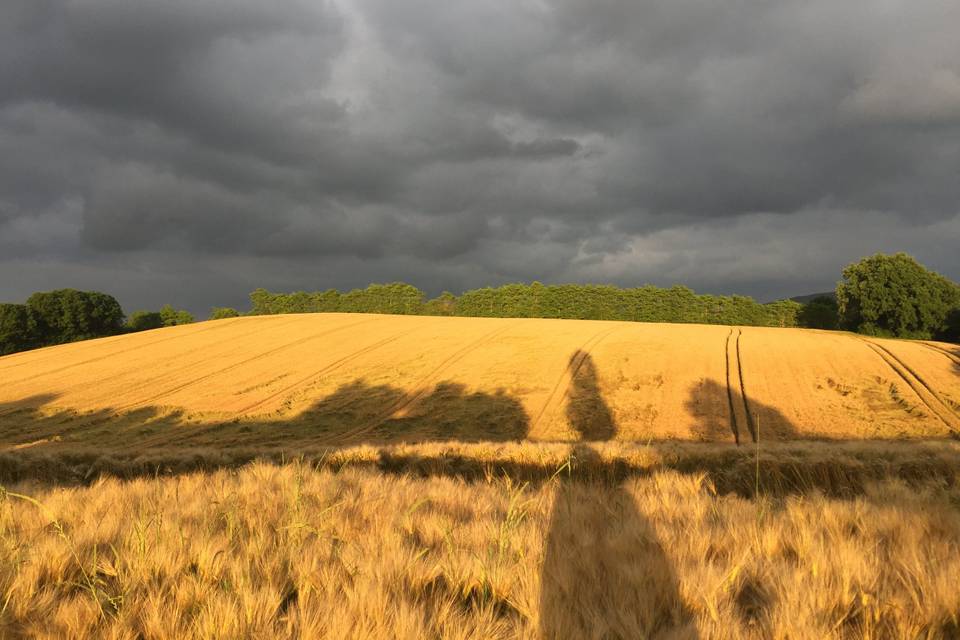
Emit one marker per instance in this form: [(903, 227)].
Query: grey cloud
[(933, 95), (133, 208), (310, 143)]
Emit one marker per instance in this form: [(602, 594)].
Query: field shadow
[(355, 413), (39, 442), (745, 418), (35, 423), (449, 411), (604, 574), (361, 413)]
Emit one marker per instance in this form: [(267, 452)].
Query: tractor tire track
[(243, 362), (733, 412), (110, 355), (743, 390), (930, 398), (944, 352), (328, 368), (423, 385), (554, 399)]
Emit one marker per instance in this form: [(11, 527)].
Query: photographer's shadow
[(605, 574)]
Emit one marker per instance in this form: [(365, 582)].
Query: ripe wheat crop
[(292, 551)]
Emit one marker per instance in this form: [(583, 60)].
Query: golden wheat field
[(360, 476), (299, 551), (292, 380)]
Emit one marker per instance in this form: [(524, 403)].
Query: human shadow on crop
[(604, 572)]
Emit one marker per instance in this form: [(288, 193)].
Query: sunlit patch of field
[(300, 380)]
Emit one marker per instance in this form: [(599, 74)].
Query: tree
[(951, 332), (819, 313), (219, 313), (19, 328), (144, 320), (262, 302), (443, 305), (895, 295), (66, 315), (172, 317)]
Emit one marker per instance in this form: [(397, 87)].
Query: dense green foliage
[(144, 320), (166, 317), (66, 315), (592, 302), (819, 313), (19, 328), (395, 298), (55, 317), (172, 317), (951, 332), (219, 313), (894, 295)]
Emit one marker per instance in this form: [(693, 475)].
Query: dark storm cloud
[(190, 150)]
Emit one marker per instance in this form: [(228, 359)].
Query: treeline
[(881, 295), (166, 317), (67, 315), (536, 300), (55, 317)]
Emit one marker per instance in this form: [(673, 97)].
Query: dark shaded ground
[(62, 447), (771, 423)]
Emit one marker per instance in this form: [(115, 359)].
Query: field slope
[(350, 378)]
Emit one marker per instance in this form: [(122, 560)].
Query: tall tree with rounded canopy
[(894, 295)]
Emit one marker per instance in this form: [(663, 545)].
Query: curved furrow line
[(100, 381), (733, 414), (423, 386), (743, 391), (949, 354), (179, 336), (328, 368), (554, 399), (930, 398), (933, 392), (290, 345), (150, 344)]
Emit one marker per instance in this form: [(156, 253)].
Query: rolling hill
[(352, 378)]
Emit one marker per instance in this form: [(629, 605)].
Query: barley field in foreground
[(303, 551)]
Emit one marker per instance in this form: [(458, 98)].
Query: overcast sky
[(189, 151)]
